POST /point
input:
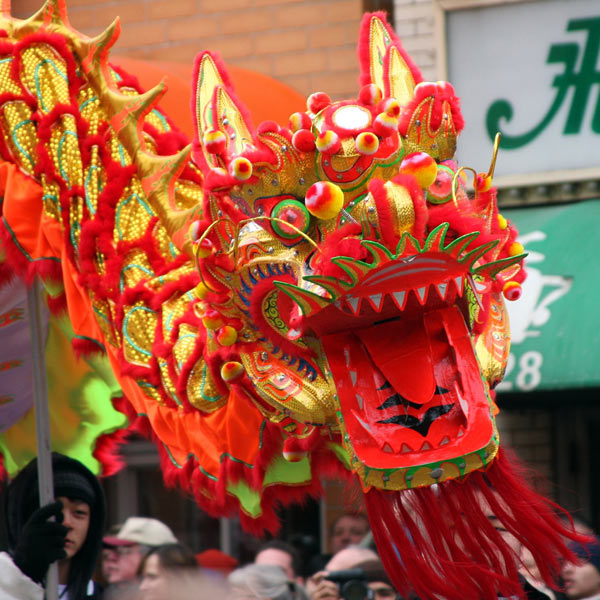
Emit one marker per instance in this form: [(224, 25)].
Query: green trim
[(38, 89), (90, 339), (22, 250), (16, 141), (126, 334)]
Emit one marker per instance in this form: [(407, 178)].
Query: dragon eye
[(293, 217)]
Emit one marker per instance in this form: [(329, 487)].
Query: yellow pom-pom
[(367, 143), (502, 222), (516, 248), (212, 319), (201, 291), (204, 249), (324, 200), (328, 142), (227, 335), (512, 290), (232, 371), (240, 168), (421, 166), (214, 141)]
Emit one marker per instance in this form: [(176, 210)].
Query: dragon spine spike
[(461, 243), (52, 13), (159, 173), (475, 254), (380, 253), (335, 287), (435, 240), (128, 111), (354, 268), (307, 301), (95, 51), (493, 268)]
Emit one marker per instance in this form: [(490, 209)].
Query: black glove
[(41, 542)]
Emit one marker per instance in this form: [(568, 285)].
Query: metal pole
[(42, 418)]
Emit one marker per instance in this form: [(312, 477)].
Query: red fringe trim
[(439, 541)]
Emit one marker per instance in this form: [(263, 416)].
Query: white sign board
[(532, 72)]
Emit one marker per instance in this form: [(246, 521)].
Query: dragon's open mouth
[(401, 356)]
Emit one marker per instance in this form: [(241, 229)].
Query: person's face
[(121, 563), (155, 585), (76, 518), (347, 531), (581, 581), (381, 590), (279, 558)]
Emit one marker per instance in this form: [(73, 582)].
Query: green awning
[(555, 324)]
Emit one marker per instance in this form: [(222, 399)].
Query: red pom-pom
[(299, 120), (303, 140), (370, 94), (317, 102), (268, 127)]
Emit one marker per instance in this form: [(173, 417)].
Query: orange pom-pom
[(214, 141), (324, 200), (328, 142), (232, 371), (367, 143), (421, 166), (484, 182), (240, 168), (515, 249), (512, 290)]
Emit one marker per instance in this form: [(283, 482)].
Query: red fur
[(442, 541), (364, 51), (344, 241), (57, 304)]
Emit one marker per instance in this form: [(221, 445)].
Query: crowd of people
[(141, 559)]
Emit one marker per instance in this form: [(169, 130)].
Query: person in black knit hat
[(68, 530)]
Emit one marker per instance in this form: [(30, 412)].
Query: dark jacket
[(22, 499)]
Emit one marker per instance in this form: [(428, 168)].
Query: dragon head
[(355, 284)]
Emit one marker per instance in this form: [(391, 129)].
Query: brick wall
[(415, 26), (309, 45)]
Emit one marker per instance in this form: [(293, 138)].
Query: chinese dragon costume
[(279, 304)]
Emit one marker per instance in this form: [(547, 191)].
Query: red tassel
[(439, 541)]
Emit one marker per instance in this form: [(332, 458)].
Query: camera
[(352, 584)]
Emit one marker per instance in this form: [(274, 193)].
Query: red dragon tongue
[(402, 352)]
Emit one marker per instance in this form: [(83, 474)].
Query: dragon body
[(281, 303)]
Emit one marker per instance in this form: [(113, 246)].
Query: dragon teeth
[(442, 289), (399, 299), (459, 282), (421, 294), (354, 304), (376, 301)]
